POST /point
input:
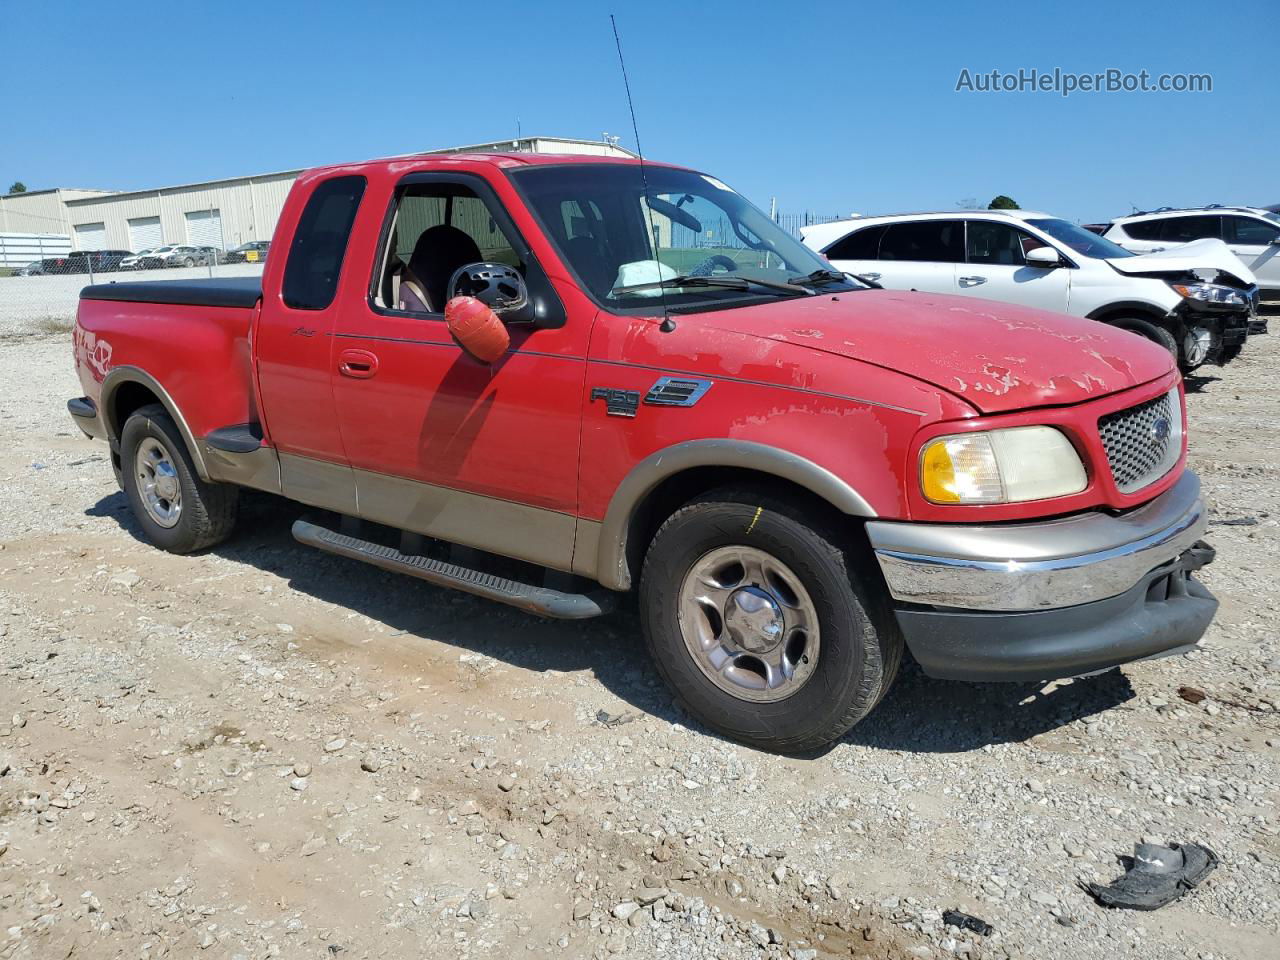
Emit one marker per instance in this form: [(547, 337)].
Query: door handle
[(972, 281), (873, 277), (360, 364), (1155, 249)]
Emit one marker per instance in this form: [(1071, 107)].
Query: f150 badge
[(666, 392), (617, 402)]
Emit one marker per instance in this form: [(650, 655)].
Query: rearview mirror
[(476, 328), (1043, 257), (496, 285)]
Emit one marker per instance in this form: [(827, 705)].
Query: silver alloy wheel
[(1196, 345), (749, 624), (158, 486)]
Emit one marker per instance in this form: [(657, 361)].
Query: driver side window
[(435, 229)]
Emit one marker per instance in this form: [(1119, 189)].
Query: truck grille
[(1143, 442)]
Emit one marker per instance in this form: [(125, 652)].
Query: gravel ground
[(266, 751)]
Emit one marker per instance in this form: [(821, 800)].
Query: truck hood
[(1197, 256), (996, 356)]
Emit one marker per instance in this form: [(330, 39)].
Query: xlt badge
[(617, 402)]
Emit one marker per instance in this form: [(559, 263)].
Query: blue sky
[(830, 107)]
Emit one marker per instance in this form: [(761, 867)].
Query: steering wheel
[(706, 267)]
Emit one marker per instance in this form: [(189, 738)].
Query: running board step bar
[(540, 600)]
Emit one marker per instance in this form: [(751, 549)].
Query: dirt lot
[(264, 751)]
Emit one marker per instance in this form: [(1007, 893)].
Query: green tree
[(18, 187), (1003, 203)]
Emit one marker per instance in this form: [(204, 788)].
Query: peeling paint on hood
[(996, 356)]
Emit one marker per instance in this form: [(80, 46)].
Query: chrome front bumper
[(1037, 566)]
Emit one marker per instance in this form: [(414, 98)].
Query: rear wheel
[(188, 262), (177, 510), (755, 621)]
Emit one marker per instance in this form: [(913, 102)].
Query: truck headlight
[(1211, 293), (1000, 466)]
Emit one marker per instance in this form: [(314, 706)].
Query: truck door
[(441, 444), (294, 341)]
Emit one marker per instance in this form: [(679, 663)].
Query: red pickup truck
[(546, 380)]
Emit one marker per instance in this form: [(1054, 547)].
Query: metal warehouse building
[(216, 213)]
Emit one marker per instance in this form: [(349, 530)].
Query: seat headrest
[(438, 253)]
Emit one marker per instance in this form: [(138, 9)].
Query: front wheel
[(177, 510), (757, 624)]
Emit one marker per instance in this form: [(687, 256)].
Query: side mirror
[(476, 328), (1044, 257), (498, 286)]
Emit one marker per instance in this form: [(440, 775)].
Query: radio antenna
[(667, 323)]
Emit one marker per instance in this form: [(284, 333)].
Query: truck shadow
[(919, 714)]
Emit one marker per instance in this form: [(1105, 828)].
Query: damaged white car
[(1197, 300)]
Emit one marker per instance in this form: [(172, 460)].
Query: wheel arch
[(672, 476), (125, 389), (1138, 309)]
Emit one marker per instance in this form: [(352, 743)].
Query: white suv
[(1251, 233), (1196, 301)]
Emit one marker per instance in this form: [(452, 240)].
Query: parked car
[(213, 255), (255, 251), (186, 255), (1251, 233), (33, 269), (101, 261), (156, 258), (134, 262), (554, 369), (1197, 302)]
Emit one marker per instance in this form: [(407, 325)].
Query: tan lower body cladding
[(534, 534)]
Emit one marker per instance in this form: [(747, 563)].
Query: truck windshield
[(689, 239), (1082, 241)]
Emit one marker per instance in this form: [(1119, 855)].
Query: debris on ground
[(967, 921), (1157, 875)]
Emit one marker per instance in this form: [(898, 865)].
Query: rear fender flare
[(117, 378), (612, 569)]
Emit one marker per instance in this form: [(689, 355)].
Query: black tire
[(208, 512), (188, 262), (1159, 335), (856, 663)]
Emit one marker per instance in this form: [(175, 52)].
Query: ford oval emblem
[(1160, 430)]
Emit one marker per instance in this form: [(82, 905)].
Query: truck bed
[(212, 292)]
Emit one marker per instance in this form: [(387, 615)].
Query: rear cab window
[(320, 243)]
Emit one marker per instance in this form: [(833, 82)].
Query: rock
[(581, 910), (298, 783), (370, 764), (1035, 786), (313, 846), (333, 746), (506, 783), (625, 909), (302, 769), (779, 875), (1044, 898), (759, 935), (467, 808), (647, 895)]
